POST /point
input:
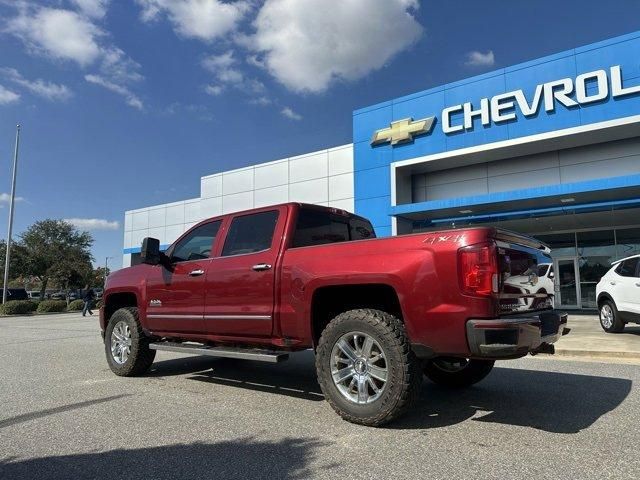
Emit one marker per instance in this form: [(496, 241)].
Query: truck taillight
[(478, 269)]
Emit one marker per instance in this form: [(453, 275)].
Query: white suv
[(618, 294)]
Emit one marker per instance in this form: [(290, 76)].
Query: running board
[(257, 354)]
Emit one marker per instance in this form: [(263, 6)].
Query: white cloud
[(222, 66), (50, 91), (92, 8), (261, 101), (131, 99), (119, 67), (6, 198), (201, 19), (479, 59), (90, 224), (305, 47), (74, 36), (213, 90), (7, 96), (61, 34), (287, 112)]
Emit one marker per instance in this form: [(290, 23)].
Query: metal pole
[(106, 269), (11, 205)]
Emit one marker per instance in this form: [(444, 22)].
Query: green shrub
[(76, 306), (99, 304), (52, 306), (18, 307)]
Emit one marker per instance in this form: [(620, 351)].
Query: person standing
[(89, 296)]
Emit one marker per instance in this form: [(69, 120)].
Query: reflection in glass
[(567, 283), (628, 240), (596, 251), (561, 244)]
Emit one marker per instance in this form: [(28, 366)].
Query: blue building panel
[(370, 186), (373, 182), (376, 210)]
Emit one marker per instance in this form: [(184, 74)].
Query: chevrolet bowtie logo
[(403, 131)]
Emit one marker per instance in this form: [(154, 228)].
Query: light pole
[(106, 270), (11, 205)]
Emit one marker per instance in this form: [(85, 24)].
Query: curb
[(43, 314), (597, 353)]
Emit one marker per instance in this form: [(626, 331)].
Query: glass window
[(628, 268), (319, 227), (250, 233), (197, 244), (596, 251), (628, 241), (361, 229), (542, 270), (561, 244)]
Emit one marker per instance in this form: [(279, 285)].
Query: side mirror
[(551, 275), (150, 252)]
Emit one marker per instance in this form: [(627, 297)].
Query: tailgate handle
[(261, 267)]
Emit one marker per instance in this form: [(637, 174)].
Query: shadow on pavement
[(242, 459), (51, 411), (549, 401), (631, 329), (293, 378)]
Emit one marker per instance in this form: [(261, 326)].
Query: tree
[(18, 260), (56, 250), (98, 277)]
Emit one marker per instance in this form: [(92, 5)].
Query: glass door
[(566, 286)]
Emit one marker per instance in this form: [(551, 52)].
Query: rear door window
[(250, 233)]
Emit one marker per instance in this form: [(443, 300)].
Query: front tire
[(610, 320), (366, 368), (457, 372), (126, 345)]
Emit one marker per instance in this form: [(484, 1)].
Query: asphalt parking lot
[(65, 415)]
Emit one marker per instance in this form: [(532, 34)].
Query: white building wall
[(323, 178)]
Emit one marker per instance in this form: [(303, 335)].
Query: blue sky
[(127, 103)]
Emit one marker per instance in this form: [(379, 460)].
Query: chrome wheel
[(120, 342), (606, 316), (359, 367), (451, 365)]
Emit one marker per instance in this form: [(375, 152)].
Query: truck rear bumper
[(509, 337)]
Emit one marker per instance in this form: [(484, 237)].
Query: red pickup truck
[(379, 313)]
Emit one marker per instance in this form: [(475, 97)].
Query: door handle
[(612, 283), (637, 284), (260, 267), (196, 273)]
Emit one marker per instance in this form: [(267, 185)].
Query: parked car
[(15, 294), (34, 294), (379, 313), (74, 296), (618, 295), (536, 285)]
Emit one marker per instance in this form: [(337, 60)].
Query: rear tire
[(457, 372), (126, 345), (610, 320), (377, 376)]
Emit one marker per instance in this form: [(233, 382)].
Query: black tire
[(616, 325), (464, 374), (140, 356), (403, 369)]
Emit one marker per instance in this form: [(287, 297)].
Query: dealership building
[(549, 148)]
